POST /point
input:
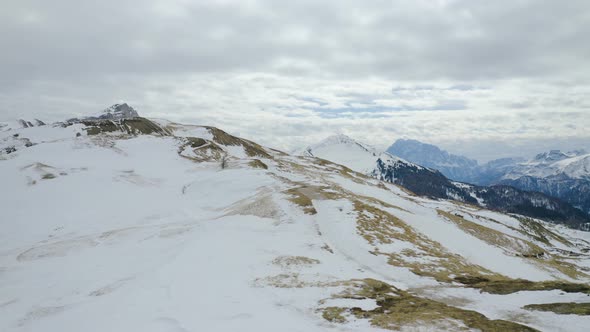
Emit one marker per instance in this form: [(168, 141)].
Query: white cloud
[(462, 74)]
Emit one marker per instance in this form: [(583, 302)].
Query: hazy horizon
[(485, 80)]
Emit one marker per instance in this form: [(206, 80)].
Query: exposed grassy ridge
[(202, 150), (297, 196), (378, 224), (380, 227), (287, 261), (509, 286), (133, 126), (513, 245), (256, 163), (540, 233), (396, 309), (334, 314), (569, 308), (250, 148), (340, 169), (496, 238)]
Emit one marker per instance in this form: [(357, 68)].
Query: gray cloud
[(291, 72)]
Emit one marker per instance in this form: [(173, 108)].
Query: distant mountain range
[(430, 182), (564, 175), (452, 166)]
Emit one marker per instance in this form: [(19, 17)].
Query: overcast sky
[(483, 78)]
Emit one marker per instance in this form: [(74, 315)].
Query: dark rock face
[(574, 191), (421, 181), (533, 204)]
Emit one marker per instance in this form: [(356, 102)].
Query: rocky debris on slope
[(20, 124), (29, 124), (13, 143)]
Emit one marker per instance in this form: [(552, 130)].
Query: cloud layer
[(464, 74)]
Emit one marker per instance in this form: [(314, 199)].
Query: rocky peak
[(115, 112), (119, 111)]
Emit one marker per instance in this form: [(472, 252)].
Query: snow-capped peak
[(557, 155), (551, 156), (351, 153), (119, 111), (114, 112), (573, 164)]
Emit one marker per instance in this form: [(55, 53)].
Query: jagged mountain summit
[(114, 112), (145, 224)]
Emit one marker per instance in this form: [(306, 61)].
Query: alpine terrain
[(116, 222), (432, 183)]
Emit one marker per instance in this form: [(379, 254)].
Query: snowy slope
[(126, 231)]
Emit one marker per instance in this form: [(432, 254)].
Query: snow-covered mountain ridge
[(574, 164), (144, 224)]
